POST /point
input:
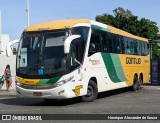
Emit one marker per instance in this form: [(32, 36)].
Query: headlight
[(60, 83), (17, 82)]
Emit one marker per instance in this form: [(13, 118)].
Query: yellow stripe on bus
[(58, 24), (28, 81)]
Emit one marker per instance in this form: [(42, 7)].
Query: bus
[(69, 58)]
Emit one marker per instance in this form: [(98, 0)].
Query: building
[(6, 46), (4, 40)]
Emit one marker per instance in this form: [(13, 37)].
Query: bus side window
[(132, 46), (103, 41), (135, 47), (127, 45), (75, 53), (118, 46), (148, 48), (95, 45), (143, 49), (139, 48), (113, 44), (109, 41), (122, 45)]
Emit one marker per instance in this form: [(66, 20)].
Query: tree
[(125, 20)]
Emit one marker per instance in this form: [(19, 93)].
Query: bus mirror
[(68, 42)]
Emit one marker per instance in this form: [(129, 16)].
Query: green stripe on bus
[(100, 28), (114, 67), (43, 81), (52, 80), (118, 67)]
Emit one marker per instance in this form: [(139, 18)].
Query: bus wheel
[(92, 92), (139, 83), (135, 84)]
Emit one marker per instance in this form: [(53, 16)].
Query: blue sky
[(14, 17)]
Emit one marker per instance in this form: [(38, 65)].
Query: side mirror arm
[(68, 41)]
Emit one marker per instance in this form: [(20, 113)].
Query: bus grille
[(37, 87)]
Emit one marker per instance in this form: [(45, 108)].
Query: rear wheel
[(92, 92), (139, 83), (135, 84)]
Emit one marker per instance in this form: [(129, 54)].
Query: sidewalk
[(12, 91), (6, 93)]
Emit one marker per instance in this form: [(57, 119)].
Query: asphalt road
[(122, 101)]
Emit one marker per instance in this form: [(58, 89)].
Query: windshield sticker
[(40, 71), (79, 71)]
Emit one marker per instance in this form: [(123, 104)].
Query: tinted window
[(95, 42), (103, 41)]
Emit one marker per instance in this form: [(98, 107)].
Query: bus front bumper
[(61, 92)]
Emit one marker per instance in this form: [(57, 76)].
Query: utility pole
[(0, 31), (27, 12), (0, 23)]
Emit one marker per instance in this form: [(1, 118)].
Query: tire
[(135, 84), (92, 92), (139, 83)]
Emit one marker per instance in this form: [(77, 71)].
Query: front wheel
[(92, 92)]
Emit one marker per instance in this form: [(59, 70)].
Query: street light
[(27, 10), (0, 22), (0, 31)]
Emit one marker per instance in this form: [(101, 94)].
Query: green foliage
[(155, 51), (125, 20)]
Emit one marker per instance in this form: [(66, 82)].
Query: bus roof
[(69, 23), (57, 24), (121, 32)]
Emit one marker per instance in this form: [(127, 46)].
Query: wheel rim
[(89, 91)]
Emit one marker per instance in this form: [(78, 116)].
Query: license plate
[(37, 93)]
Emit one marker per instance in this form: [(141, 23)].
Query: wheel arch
[(94, 79)]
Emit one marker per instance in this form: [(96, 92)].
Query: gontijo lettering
[(130, 60)]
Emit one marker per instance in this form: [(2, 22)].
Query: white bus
[(79, 57)]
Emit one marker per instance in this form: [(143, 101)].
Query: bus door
[(76, 66)]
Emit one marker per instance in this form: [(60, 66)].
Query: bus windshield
[(42, 53)]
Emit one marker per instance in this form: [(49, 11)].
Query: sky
[(14, 15)]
